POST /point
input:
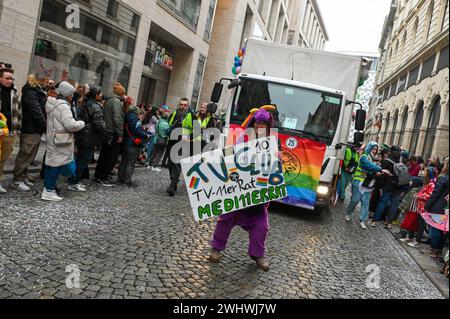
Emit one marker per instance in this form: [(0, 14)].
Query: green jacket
[(348, 156), (161, 130), (114, 116)]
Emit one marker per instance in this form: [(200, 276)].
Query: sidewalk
[(431, 267)]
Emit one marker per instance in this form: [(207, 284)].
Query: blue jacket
[(131, 130), (364, 162)]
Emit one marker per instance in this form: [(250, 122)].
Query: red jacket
[(424, 194), (414, 170)]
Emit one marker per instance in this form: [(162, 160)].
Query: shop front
[(98, 52), (158, 65)]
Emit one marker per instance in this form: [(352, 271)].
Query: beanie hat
[(65, 89)]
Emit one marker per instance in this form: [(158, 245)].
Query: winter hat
[(119, 89), (263, 114), (65, 89)]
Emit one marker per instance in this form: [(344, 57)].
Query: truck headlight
[(322, 190)]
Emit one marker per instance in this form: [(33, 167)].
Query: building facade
[(294, 22), (410, 108), (156, 48)]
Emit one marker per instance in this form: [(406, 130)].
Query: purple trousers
[(256, 223)]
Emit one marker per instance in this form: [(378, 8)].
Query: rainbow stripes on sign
[(262, 182), (195, 182)]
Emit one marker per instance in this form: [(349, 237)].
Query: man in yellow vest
[(176, 121), (364, 182)]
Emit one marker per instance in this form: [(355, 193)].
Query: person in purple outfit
[(255, 219)]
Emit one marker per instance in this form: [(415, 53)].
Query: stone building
[(410, 106), (156, 48)]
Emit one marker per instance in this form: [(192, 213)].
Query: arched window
[(429, 29), (394, 128), (386, 128), (416, 129), (433, 122), (403, 127)]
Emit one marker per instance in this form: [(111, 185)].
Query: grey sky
[(354, 25)]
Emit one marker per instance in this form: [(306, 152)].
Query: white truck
[(313, 92)]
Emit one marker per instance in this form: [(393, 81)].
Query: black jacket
[(383, 180), (93, 132), (33, 101), (436, 203)]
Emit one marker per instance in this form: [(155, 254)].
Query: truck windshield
[(300, 111)]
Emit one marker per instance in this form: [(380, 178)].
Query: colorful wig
[(263, 114)]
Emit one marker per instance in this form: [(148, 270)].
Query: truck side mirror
[(217, 92), (360, 120), (358, 138)]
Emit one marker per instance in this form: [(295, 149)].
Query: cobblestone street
[(138, 243)]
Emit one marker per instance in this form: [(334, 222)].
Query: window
[(209, 20), (414, 35), (113, 7), (129, 45), (416, 129), (110, 37), (188, 10), (93, 48), (445, 17), (90, 29), (135, 21), (401, 84), (427, 67), (385, 94), (404, 52), (403, 126), (431, 129), (392, 90), (198, 81), (318, 117), (429, 21), (413, 76), (443, 59)]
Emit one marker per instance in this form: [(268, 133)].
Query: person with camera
[(364, 182)]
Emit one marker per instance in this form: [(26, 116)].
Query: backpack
[(401, 174)]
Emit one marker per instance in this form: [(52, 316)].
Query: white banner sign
[(226, 180)]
